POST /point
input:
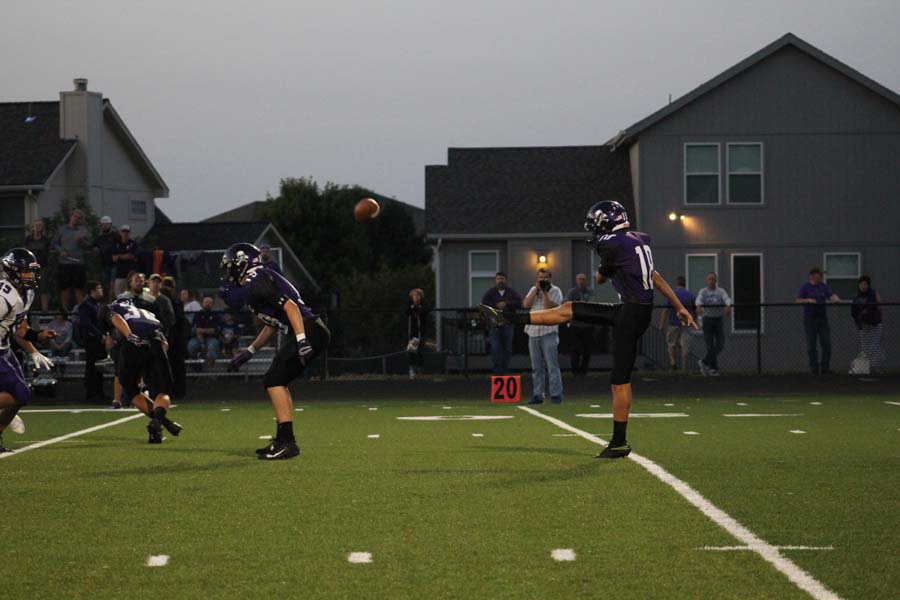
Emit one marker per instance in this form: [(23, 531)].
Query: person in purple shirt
[(278, 304), (501, 297), (815, 294), (627, 262), (671, 325)]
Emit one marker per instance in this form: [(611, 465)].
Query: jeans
[(501, 348), (212, 347), (816, 326), (544, 350), (714, 335)]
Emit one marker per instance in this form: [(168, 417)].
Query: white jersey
[(13, 309)]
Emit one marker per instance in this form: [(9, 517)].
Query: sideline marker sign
[(506, 388)]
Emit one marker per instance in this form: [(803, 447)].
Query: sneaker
[(171, 426), (704, 370), (556, 399), (536, 400), (17, 425), (154, 428), (117, 404), (714, 372), (619, 451), (493, 316), (278, 450)]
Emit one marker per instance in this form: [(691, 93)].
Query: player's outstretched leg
[(284, 445), (552, 316)]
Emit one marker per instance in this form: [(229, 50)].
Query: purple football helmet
[(604, 218)]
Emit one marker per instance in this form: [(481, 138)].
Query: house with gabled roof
[(79, 146), (787, 160)]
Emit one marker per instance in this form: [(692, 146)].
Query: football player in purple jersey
[(626, 261), (277, 303)]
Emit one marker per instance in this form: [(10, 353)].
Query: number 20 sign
[(506, 388)]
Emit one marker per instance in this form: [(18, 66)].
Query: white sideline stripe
[(765, 415), (158, 560), (742, 548), (766, 551), (634, 415), (886, 402), (373, 436), (68, 436), (75, 411), (563, 554), (359, 557), (457, 418), (691, 433), (797, 431)]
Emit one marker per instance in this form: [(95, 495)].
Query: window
[(746, 292), (483, 267), (697, 267), (138, 208), (842, 272), (602, 293), (12, 209), (701, 173), (745, 173)]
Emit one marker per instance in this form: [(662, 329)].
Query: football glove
[(304, 351), (137, 340), (239, 360), (41, 361)]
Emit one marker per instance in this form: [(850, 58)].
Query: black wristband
[(31, 335)]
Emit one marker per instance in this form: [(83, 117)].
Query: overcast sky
[(227, 101)]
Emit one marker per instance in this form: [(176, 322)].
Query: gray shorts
[(676, 334)]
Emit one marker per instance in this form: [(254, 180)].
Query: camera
[(545, 285)]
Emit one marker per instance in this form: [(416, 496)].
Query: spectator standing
[(676, 334), (191, 306), (713, 303), (543, 340), (125, 258), (581, 332), (93, 339), (266, 258), (61, 345), (207, 325), (815, 294), (416, 326), (71, 242), (178, 342), (105, 246), (162, 306), (40, 244), (230, 335), (866, 313), (501, 297)]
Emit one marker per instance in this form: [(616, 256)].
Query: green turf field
[(456, 508)]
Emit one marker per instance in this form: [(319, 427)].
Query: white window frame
[(472, 273), (687, 269), (134, 215), (762, 291), (858, 256), (761, 173), (718, 174)]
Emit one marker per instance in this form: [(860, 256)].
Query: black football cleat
[(618, 451), (171, 426), (493, 316), (278, 450), (154, 428), (3, 449)]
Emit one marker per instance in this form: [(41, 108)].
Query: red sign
[(506, 388)]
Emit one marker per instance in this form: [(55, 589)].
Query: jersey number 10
[(646, 258)]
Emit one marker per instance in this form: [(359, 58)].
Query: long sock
[(618, 437), (159, 413), (285, 431)]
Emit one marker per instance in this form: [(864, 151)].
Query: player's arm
[(666, 290), (262, 338), (25, 336), (605, 268)]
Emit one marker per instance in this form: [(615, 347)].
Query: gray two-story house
[(787, 160)]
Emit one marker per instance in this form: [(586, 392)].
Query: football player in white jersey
[(22, 273)]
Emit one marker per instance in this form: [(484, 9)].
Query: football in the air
[(366, 210)]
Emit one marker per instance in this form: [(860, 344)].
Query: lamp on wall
[(674, 216), (542, 258)]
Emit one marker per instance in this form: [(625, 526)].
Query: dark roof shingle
[(30, 146), (522, 190), (204, 236)]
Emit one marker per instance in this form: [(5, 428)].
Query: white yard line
[(764, 415), (765, 550), (61, 438), (748, 548), (634, 415), (75, 411), (894, 403)]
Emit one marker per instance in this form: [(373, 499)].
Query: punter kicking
[(22, 273), (277, 303), (627, 262)]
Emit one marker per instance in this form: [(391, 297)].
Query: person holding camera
[(543, 340)]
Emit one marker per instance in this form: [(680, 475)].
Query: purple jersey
[(142, 322), (626, 260), (268, 293)]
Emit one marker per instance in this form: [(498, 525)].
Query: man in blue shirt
[(814, 294), (676, 335), (501, 297)]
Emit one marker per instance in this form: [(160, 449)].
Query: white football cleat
[(17, 425)]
